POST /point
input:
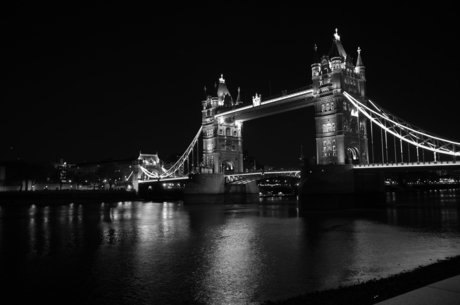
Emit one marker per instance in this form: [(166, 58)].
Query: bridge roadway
[(237, 178), (245, 178)]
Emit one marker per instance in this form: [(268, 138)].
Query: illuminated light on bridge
[(420, 165)]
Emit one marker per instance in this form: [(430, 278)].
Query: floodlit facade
[(341, 133)]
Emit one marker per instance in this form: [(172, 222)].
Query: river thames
[(171, 253)]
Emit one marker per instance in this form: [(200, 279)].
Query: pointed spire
[(336, 35), (238, 97), (315, 55), (359, 62)]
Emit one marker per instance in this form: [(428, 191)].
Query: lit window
[(324, 128), (328, 106), (329, 127)]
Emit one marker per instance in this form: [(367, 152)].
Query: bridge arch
[(228, 167), (353, 155)]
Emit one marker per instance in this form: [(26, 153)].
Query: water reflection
[(160, 252)]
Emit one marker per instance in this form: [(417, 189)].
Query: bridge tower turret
[(361, 70), (315, 71), (341, 136), (222, 135)]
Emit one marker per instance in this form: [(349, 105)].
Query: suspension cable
[(409, 133), (184, 156)]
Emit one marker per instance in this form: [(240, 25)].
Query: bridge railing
[(286, 92)]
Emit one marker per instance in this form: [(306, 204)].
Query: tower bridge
[(346, 121)]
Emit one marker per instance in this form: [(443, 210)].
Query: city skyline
[(98, 82)]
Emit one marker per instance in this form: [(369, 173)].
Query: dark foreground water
[(170, 253)]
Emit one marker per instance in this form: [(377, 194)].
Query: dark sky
[(86, 83)]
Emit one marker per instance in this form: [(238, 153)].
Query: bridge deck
[(410, 165)]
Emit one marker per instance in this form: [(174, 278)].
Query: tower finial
[(221, 79), (336, 35), (359, 50), (315, 47)]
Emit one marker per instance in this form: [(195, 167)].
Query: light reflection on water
[(136, 252)]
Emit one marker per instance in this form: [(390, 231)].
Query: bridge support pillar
[(242, 193), (211, 189), (327, 179), (136, 178), (336, 186)]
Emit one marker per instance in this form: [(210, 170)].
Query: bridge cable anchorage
[(183, 158), (405, 131)]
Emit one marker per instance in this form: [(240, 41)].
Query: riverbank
[(378, 290)]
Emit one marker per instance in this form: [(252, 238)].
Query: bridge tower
[(222, 138), (341, 133)]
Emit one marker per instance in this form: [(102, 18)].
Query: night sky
[(87, 83)]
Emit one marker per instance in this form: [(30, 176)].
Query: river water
[(171, 253)]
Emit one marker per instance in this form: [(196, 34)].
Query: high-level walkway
[(446, 292)]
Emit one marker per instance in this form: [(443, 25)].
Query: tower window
[(221, 131), (332, 106), (323, 107), (227, 131), (328, 107), (344, 106), (234, 133), (333, 127)]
